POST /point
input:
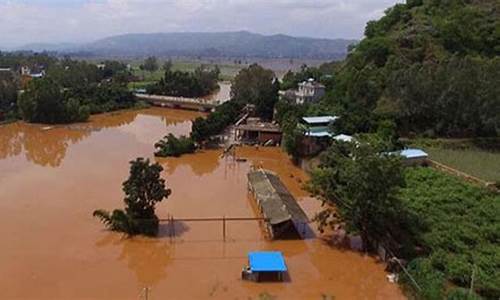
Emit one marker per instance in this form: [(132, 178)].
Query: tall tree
[(362, 184), (257, 86), (143, 190), (151, 64)]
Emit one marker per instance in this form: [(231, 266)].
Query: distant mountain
[(219, 44), (40, 47)]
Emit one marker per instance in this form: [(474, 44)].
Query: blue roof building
[(265, 266), (266, 261)]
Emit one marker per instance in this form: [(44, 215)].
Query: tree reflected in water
[(47, 147), (146, 257), (201, 163)]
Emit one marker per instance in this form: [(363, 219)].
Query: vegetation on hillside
[(143, 190), (430, 66)]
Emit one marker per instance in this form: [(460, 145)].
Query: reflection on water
[(47, 145), (147, 258), (198, 164)]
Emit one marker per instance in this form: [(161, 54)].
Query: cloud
[(32, 21)]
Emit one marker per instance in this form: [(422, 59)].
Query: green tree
[(143, 190), (151, 64), (170, 145), (167, 65), (43, 102), (362, 184), (258, 86)]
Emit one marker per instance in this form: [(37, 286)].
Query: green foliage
[(362, 184), (216, 122), (430, 281), (258, 86), (150, 64), (143, 190), (462, 294), (458, 228), (173, 146), (431, 66), (44, 102), (201, 82), (8, 94)]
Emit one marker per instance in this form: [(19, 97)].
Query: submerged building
[(285, 218)]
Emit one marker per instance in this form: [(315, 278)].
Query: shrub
[(173, 146)]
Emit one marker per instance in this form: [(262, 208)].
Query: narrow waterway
[(51, 248)]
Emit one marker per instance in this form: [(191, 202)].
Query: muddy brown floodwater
[(52, 248)]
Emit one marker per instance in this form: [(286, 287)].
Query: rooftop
[(343, 138), (266, 261), (413, 153), (274, 198), (319, 120)]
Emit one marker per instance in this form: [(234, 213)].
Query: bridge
[(179, 102)]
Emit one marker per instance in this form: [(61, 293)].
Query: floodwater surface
[(51, 180)]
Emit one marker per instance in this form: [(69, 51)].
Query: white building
[(308, 92)]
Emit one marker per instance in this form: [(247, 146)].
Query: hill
[(432, 66), (217, 44)]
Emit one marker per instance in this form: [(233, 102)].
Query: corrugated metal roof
[(319, 120), (413, 153), (274, 198)]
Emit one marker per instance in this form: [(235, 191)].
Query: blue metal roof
[(413, 153), (266, 261)]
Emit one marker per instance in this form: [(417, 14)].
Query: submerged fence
[(171, 222)]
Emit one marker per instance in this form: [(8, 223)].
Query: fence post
[(224, 228)]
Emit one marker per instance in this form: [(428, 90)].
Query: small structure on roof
[(285, 218), (265, 266)]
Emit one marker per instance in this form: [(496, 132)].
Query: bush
[(462, 294), (173, 146), (430, 281)]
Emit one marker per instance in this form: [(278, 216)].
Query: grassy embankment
[(228, 71), (476, 157)]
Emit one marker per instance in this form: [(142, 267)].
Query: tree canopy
[(258, 86), (202, 82), (143, 190)]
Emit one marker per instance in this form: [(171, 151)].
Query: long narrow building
[(286, 219)]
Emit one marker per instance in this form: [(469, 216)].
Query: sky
[(79, 21)]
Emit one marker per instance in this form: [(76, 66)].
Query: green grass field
[(481, 159)]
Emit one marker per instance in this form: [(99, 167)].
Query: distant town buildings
[(308, 91), (36, 72)]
